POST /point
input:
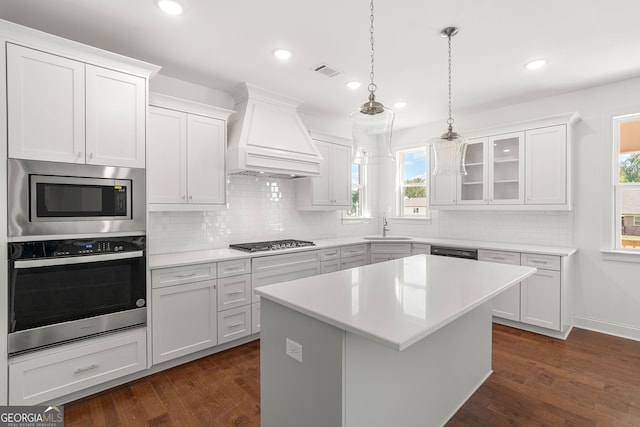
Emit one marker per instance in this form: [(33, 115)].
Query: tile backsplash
[(257, 209)]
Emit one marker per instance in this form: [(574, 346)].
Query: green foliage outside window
[(630, 168), (413, 192)]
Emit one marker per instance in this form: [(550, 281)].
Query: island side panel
[(295, 394), (423, 385)]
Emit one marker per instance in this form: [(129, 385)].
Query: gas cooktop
[(270, 245)]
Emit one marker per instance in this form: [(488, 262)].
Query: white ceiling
[(219, 44)]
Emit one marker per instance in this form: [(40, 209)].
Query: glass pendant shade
[(449, 152), (371, 134)]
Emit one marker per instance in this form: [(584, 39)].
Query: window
[(412, 201), (358, 199), (627, 181)]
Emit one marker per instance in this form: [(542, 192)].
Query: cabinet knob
[(184, 197), (190, 197), (90, 155)]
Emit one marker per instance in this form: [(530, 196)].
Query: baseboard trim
[(609, 328)]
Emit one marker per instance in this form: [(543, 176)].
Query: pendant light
[(449, 149), (372, 122)]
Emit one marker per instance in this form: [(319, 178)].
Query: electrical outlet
[(294, 350)]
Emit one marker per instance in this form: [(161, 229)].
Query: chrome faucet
[(384, 225)]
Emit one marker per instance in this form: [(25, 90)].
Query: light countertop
[(224, 254), (397, 303)]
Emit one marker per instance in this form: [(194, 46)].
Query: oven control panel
[(75, 247)]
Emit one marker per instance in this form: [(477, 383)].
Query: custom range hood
[(267, 137)]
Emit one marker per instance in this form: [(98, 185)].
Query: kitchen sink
[(387, 238)]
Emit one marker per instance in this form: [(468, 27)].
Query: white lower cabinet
[(255, 317), (506, 304), (234, 323), (420, 248), (329, 260), (541, 293), (50, 374), (184, 319), (387, 251)]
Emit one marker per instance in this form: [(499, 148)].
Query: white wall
[(607, 296)]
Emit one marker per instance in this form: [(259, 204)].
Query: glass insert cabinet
[(495, 172)]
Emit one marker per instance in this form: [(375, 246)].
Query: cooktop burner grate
[(270, 245)]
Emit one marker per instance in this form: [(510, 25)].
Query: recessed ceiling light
[(170, 7), (536, 64), (353, 85), (282, 54), (400, 104)]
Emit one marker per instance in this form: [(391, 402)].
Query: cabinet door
[(255, 317), (167, 156), (546, 165), (507, 303), (341, 175), (442, 188), (506, 169), (321, 185), (540, 299), (206, 160), (473, 186), (116, 109), (45, 110), (380, 257), (184, 319)]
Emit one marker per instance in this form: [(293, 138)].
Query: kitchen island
[(403, 342)]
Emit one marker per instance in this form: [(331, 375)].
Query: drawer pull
[(236, 268), (86, 369), (498, 258), (533, 261), (332, 253), (183, 275), (233, 325), (235, 292)]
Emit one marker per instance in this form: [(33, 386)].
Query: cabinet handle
[(233, 325), (190, 197), (79, 155), (235, 292), (499, 258), (184, 197), (238, 268), (533, 261), (86, 369), (90, 156), (183, 275)]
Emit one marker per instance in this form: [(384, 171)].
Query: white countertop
[(397, 303), (224, 254)]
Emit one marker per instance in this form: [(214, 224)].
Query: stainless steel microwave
[(52, 199)]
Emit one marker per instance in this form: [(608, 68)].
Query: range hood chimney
[(267, 137)]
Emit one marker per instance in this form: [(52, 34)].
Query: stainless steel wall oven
[(49, 198), (63, 290)]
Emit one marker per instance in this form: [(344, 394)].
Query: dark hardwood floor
[(590, 379)]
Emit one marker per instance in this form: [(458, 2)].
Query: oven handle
[(46, 262)]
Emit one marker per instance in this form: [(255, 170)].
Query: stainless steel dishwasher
[(454, 252)]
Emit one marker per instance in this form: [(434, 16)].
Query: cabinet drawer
[(177, 275), (329, 254), (234, 323), (234, 268), (420, 248), (329, 266), (353, 250), (59, 371), (286, 261), (500, 257), (356, 261), (255, 317), (234, 291), (548, 262), (391, 248)]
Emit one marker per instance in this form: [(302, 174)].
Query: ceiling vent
[(327, 70)]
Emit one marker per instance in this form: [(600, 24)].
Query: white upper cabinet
[(546, 167), (65, 110), (473, 186), (525, 166), (332, 189), (186, 148), (45, 95), (506, 168), (115, 118)]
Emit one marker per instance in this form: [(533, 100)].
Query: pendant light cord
[(450, 120), (372, 85)]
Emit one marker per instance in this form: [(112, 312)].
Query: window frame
[(362, 187), (400, 184), (618, 187)]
